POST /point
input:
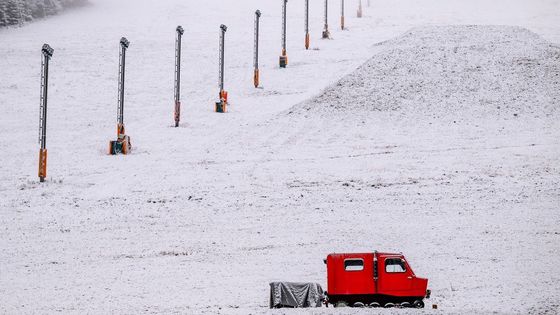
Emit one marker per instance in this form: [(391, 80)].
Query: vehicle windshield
[(393, 265)]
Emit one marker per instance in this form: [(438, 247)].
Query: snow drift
[(461, 71)]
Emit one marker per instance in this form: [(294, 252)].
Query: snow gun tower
[(359, 14), (326, 33), (122, 144), (284, 56), (342, 15), (177, 115), (256, 54), (306, 24), (47, 52), (221, 105)]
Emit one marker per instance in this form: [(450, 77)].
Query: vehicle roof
[(364, 254)]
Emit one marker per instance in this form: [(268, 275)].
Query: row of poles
[(123, 144)]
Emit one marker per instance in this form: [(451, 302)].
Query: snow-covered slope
[(200, 218)]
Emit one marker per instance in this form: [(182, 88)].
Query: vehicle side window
[(354, 264), (394, 265)]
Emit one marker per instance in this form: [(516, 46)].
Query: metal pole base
[(42, 164), (221, 105), (122, 145), (283, 59), (256, 79), (177, 115)]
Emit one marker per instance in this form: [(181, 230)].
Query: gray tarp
[(295, 294)]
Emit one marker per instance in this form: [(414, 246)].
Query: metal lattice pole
[(326, 15), (306, 24), (47, 53), (122, 67), (284, 56), (342, 14), (284, 7), (122, 144), (360, 9), (221, 105), (178, 45), (256, 78), (326, 33), (223, 30)]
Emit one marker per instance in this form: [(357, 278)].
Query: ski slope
[(199, 219)]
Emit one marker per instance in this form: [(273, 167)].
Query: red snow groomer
[(374, 280)]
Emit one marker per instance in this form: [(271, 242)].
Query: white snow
[(407, 152)]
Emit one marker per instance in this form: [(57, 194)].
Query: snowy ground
[(444, 145)]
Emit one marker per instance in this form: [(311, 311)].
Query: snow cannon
[(47, 53), (394, 284), (178, 39), (122, 145), (221, 104), (283, 60), (256, 80)]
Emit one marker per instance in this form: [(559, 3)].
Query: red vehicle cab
[(373, 279)]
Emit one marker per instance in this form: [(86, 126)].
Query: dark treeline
[(17, 12)]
